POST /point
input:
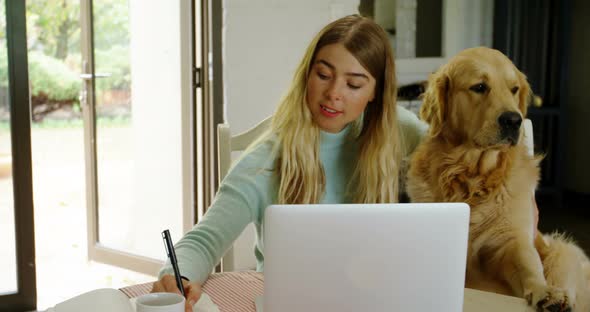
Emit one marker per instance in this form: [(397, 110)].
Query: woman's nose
[(334, 91)]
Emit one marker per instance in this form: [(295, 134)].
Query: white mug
[(160, 302)]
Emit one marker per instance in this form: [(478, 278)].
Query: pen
[(172, 256)]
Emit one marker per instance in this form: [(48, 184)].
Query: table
[(236, 291), (230, 291)]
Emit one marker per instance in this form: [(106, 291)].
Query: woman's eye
[(479, 88), (352, 86), (514, 90), (322, 76)]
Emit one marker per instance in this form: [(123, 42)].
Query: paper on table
[(113, 300), (205, 304), (98, 300)]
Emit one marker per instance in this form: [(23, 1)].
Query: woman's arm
[(245, 191)]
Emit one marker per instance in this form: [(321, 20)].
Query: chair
[(528, 136), (240, 256)]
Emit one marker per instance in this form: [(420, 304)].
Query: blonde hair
[(375, 179)]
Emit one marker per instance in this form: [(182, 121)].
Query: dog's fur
[(469, 156)]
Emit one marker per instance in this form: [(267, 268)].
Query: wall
[(578, 106), (161, 141), (405, 28), (264, 40), (466, 23)]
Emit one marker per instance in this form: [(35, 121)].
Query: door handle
[(97, 75)]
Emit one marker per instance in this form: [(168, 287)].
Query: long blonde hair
[(375, 178)]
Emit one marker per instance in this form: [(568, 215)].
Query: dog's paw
[(549, 299)]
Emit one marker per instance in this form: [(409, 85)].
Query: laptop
[(365, 257)]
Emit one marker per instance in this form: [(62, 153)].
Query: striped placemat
[(137, 290), (230, 291)]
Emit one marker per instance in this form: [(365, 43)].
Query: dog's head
[(479, 96)]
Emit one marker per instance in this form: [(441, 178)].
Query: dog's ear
[(525, 93), (434, 104)]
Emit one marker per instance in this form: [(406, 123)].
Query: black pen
[(172, 257)]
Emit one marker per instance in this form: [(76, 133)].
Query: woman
[(336, 137)]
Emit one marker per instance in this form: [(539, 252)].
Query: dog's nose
[(510, 120)]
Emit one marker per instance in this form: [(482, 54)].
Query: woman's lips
[(329, 112)]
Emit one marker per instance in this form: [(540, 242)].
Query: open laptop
[(365, 257)]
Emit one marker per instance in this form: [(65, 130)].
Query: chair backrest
[(528, 136), (226, 143), (240, 256)]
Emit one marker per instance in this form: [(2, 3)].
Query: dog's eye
[(479, 88), (514, 90)]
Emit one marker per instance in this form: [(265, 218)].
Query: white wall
[(160, 119), (405, 26), (264, 40), (466, 24)]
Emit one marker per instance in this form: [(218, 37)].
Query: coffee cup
[(160, 302)]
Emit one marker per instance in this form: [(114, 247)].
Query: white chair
[(528, 136), (241, 255)]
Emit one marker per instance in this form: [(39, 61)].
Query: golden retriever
[(474, 153)]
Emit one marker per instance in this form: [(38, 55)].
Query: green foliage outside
[(115, 62), (2, 22), (52, 77), (3, 67), (111, 23), (53, 26), (47, 76), (3, 59), (53, 38), (101, 122)]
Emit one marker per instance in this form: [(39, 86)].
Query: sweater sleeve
[(412, 129), (243, 194)]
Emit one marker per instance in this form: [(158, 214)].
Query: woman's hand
[(168, 284)]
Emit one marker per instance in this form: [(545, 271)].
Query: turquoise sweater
[(250, 187)]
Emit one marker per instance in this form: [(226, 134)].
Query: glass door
[(136, 102), (17, 255)]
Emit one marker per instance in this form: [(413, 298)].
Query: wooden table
[(236, 291)]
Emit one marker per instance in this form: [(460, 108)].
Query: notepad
[(98, 300)]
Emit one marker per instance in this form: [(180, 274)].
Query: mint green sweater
[(250, 187)]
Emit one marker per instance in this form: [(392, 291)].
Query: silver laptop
[(365, 257)]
